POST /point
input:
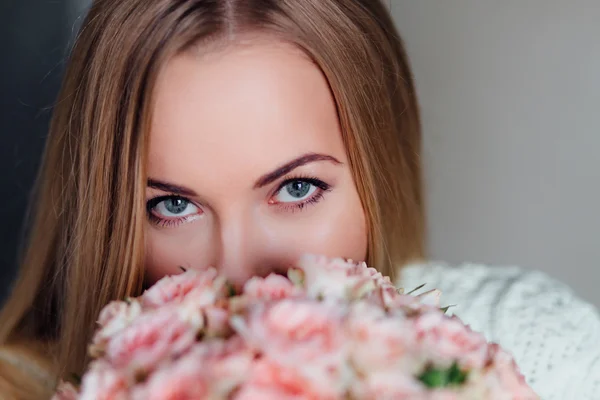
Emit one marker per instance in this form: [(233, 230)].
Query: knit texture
[(553, 335)]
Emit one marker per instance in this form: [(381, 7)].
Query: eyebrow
[(291, 165), (261, 182), (171, 188)]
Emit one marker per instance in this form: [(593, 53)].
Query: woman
[(239, 134)]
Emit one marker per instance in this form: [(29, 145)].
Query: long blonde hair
[(86, 243)]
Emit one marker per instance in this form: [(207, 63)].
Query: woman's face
[(247, 168)]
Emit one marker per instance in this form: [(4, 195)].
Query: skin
[(224, 122)]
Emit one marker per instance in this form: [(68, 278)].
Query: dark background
[(35, 36)]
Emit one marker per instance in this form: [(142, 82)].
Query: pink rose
[(273, 287), (226, 363), (149, 339), (65, 391), (312, 327), (264, 393), (114, 317), (388, 385), (451, 394), (217, 322), (503, 375), (182, 381), (338, 278), (326, 277), (271, 381), (334, 329), (103, 382), (203, 314), (380, 341), (303, 337), (117, 311), (175, 288), (446, 339), (210, 370)]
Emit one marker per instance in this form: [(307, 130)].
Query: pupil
[(176, 206), (298, 189)]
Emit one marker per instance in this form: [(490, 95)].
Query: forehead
[(257, 105)]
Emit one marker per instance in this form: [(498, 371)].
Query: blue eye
[(175, 207), (172, 210), (294, 191), (298, 192)]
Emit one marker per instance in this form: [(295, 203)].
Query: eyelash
[(322, 187), (164, 222)]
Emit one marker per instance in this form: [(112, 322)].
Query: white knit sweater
[(553, 335)]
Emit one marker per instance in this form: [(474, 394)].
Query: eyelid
[(166, 222), (305, 178), (153, 202), (315, 198)]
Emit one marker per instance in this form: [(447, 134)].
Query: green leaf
[(445, 309), (456, 376), (417, 288), (441, 378), (434, 378)]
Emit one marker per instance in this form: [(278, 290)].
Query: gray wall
[(510, 92)]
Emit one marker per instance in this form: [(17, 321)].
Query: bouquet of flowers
[(331, 329)]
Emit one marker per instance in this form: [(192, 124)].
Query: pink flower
[(229, 360), (175, 288), (303, 337), (113, 318), (118, 311), (257, 392), (271, 381), (338, 278), (451, 394), (444, 339), (182, 381), (103, 382), (273, 287), (380, 341), (210, 370), (217, 322), (65, 391), (504, 376), (388, 385), (280, 327), (204, 315), (335, 329), (149, 339)]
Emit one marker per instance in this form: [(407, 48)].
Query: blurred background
[(34, 39), (510, 96)]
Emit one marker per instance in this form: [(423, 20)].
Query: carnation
[(332, 329)]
